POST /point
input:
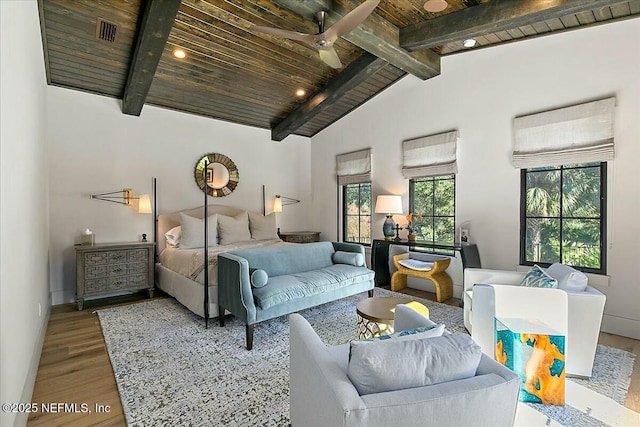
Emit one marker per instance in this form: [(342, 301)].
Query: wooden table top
[(379, 309)]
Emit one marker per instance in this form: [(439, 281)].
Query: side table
[(375, 316), (299, 236)]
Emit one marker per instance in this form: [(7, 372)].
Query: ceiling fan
[(324, 39)]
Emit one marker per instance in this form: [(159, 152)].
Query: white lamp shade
[(277, 204), (144, 204), (389, 204)]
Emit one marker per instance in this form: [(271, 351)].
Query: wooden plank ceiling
[(232, 73)]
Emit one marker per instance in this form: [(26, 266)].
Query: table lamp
[(389, 205)]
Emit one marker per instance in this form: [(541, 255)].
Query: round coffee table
[(375, 316)]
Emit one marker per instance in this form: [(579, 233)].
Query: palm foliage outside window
[(563, 211), (356, 210), (434, 198)]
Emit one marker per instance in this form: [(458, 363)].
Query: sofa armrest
[(234, 287), (474, 276), (348, 247)]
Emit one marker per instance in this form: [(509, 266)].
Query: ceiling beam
[(352, 76), (375, 35), (155, 27), (491, 17)]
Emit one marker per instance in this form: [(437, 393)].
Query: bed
[(180, 270)]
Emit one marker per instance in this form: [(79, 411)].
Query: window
[(434, 198), (356, 211), (563, 216)]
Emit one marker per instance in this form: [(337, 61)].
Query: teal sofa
[(263, 283)]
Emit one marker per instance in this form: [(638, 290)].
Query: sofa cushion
[(537, 278), (389, 365), (569, 279), (349, 258), (289, 287), (259, 278), (289, 258)]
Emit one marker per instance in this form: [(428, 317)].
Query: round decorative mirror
[(221, 174)]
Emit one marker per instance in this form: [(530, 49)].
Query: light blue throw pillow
[(259, 278), (537, 278), (349, 258), (388, 365)]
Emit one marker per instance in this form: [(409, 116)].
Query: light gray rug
[(170, 370)]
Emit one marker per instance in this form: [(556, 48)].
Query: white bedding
[(188, 262)]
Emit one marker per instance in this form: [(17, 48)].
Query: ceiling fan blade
[(351, 20), (330, 57), (293, 35)]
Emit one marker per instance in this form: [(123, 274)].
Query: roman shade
[(430, 155), (577, 134), (354, 167)]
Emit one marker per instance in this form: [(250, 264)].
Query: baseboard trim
[(621, 326), (30, 382)]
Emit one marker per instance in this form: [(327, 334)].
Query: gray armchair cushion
[(390, 365), (349, 258)]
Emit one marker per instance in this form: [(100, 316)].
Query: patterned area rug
[(170, 370)]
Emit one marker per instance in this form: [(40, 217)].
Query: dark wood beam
[(491, 17), (155, 27), (352, 76), (376, 36)]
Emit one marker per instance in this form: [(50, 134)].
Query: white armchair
[(583, 311)]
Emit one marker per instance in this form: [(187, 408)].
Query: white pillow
[(263, 227), (568, 277), (233, 229), (193, 231), (173, 237)]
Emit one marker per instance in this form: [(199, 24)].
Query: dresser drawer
[(95, 271), (95, 286), (117, 257), (137, 255), (118, 270), (137, 268), (96, 258)]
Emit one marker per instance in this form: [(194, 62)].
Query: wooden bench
[(437, 275)]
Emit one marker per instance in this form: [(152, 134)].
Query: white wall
[(95, 148), (24, 285), (479, 93)]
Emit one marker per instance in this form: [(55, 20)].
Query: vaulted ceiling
[(125, 49)]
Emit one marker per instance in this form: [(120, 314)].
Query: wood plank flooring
[(75, 367)]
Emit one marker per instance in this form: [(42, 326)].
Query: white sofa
[(584, 314), (323, 395)]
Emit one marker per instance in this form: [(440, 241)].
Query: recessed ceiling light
[(179, 53), (469, 43), (300, 92), (435, 6)]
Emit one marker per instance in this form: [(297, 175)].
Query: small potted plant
[(413, 228)]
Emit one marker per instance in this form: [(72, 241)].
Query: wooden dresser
[(299, 236), (114, 267)]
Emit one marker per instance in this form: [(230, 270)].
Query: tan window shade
[(354, 167), (430, 155), (577, 134)]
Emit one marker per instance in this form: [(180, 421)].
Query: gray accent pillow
[(388, 365), (193, 231), (234, 229), (349, 258), (263, 227)]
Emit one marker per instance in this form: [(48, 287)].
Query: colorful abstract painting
[(538, 359)]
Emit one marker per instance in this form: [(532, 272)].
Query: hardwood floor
[(75, 368)]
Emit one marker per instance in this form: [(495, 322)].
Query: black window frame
[(603, 215), (412, 183), (345, 213)]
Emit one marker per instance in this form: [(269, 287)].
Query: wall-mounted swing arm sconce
[(125, 197), (281, 201)]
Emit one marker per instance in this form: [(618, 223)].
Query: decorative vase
[(411, 237)]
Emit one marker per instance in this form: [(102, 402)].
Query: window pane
[(365, 199), (543, 193), (352, 229), (543, 240), (423, 197), (365, 229), (352, 201), (444, 197), (426, 231), (581, 243), (581, 193), (444, 231)]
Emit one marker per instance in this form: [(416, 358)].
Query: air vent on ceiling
[(106, 31)]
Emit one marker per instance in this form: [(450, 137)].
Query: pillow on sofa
[(263, 227), (259, 278), (173, 237), (193, 231), (350, 258), (375, 367), (537, 278), (569, 279), (234, 229)]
